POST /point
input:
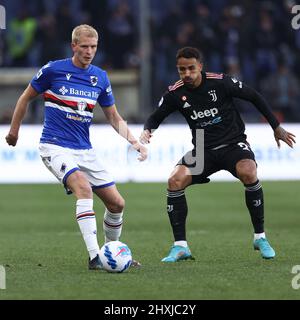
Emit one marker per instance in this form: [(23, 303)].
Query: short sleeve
[(106, 97), (41, 82)]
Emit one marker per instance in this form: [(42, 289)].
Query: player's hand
[(142, 151), (287, 137), (11, 139), (145, 137)]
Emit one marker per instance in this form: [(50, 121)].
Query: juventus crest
[(213, 95)]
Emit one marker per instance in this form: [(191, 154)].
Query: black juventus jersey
[(211, 107)]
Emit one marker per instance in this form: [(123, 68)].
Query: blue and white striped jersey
[(71, 94)]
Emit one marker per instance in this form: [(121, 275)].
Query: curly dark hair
[(189, 52)]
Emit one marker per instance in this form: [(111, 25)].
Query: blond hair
[(83, 29)]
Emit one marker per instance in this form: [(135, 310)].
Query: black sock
[(255, 203), (177, 211)]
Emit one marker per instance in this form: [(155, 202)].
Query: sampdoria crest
[(94, 80)]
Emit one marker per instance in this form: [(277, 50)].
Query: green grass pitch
[(45, 257)]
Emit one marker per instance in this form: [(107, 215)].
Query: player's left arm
[(237, 89), (120, 125)]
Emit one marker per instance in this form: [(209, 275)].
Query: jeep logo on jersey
[(81, 105), (94, 80), (206, 113)]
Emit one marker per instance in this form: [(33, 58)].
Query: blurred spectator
[(1, 47), (98, 11), (47, 37), (230, 33), (266, 44), (206, 36), (20, 38), (282, 91), (121, 35), (64, 20)]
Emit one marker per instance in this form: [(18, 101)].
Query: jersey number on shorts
[(244, 146)]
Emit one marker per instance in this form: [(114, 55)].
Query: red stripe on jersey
[(211, 75), (176, 85), (67, 102), (219, 77)]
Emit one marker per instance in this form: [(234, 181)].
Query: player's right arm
[(19, 114), (166, 107), (39, 84)]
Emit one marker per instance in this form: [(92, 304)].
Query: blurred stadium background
[(252, 40)]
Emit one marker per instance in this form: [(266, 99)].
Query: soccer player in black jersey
[(206, 101)]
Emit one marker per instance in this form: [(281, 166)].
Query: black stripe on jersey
[(63, 104)]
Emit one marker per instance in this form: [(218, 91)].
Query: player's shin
[(255, 204), (86, 219), (112, 225), (177, 211)]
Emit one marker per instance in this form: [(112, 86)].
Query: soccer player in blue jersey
[(71, 89)]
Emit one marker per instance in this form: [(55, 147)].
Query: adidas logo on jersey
[(186, 105)]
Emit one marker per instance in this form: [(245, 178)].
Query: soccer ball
[(115, 256)]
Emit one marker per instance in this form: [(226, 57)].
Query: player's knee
[(175, 183), (80, 186), (117, 206), (247, 172)]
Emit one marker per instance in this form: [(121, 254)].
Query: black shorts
[(224, 158)]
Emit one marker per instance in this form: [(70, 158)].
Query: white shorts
[(63, 161)]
